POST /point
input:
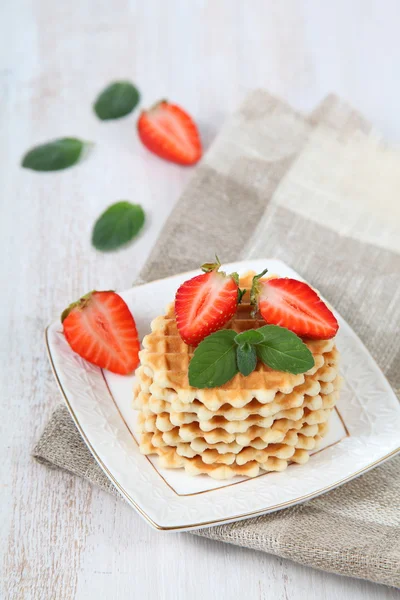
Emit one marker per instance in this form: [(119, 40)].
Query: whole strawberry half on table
[(170, 132), (101, 329)]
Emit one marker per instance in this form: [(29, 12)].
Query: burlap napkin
[(320, 193)]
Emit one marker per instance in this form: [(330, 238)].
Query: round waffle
[(251, 424)]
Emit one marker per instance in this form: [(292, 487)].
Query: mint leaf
[(117, 226), (283, 350), (214, 360), (55, 155), (246, 357), (251, 336), (117, 100)]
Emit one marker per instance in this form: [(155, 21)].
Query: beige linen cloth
[(321, 193)]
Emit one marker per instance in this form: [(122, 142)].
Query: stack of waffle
[(250, 425)]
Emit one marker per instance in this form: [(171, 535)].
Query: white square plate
[(364, 431)]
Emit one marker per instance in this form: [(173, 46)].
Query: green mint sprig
[(223, 354)]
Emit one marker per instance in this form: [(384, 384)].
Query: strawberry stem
[(254, 292), (235, 278), (81, 303), (208, 267), (157, 105), (241, 293)]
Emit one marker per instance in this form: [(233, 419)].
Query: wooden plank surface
[(61, 538)]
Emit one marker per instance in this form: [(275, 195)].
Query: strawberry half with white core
[(168, 131), (206, 303), (295, 305), (101, 329)]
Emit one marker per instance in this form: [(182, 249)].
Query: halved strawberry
[(295, 305), (168, 131), (206, 303), (101, 329)]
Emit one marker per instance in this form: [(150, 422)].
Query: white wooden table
[(60, 537)]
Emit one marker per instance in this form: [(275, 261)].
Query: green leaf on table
[(117, 226), (246, 357), (214, 360), (116, 100), (283, 350), (55, 155)]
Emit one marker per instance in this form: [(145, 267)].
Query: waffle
[(251, 424), (148, 404), (157, 413), (196, 458), (165, 360), (172, 428), (293, 440), (162, 415), (272, 434), (169, 458)]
